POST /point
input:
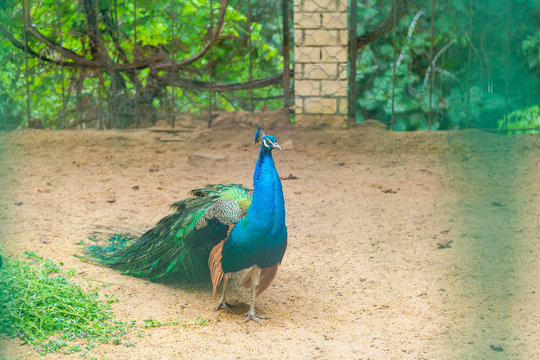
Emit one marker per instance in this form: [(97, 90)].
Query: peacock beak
[(276, 146)]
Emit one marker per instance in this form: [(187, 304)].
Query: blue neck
[(261, 236), (267, 206)]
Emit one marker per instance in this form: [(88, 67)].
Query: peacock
[(219, 230)]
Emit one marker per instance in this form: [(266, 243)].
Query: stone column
[(320, 62)]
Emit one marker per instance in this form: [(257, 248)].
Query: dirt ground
[(363, 276)]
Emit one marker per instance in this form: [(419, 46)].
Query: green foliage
[(181, 31), (58, 95), (531, 48), (42, 307), (453, 88), (527, 118)]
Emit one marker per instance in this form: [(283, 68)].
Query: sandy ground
[(363, 276)]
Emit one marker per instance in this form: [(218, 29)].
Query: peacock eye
[(265, 143)]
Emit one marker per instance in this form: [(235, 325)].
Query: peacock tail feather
[(179, 245)]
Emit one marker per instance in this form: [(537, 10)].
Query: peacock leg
[(222, 303), (255, 276)]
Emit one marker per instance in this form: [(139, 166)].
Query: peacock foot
[(223, 306), (252, 316)]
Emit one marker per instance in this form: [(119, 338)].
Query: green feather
[(175, 248)]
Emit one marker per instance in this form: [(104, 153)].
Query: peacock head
[(269, 142)]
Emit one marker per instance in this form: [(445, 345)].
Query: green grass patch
[(41, 306)]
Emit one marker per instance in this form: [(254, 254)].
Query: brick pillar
[(320, 62)]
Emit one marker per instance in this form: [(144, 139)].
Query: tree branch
[(205, 85), (92, 27), (200, 54), (428, 71), (61, 50), (99, 52), (385, 26), (409, 34), (20, 45), (32, 53)]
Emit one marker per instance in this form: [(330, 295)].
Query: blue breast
[(260, 238)]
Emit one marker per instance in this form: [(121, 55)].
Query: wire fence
[(411, 64), (138, 62), (446, 65)]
